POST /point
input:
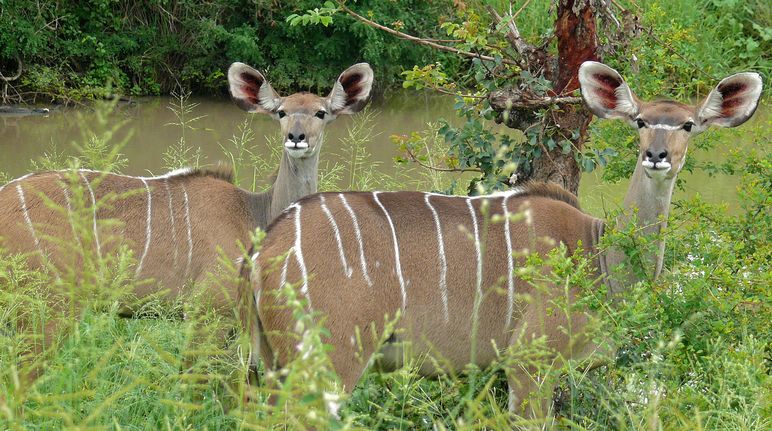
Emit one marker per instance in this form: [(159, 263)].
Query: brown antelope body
[(357, 257), (175, 223)]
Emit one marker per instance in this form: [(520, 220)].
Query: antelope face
[(302, 116), (665, 127)]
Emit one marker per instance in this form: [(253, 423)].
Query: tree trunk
[(577, 42)]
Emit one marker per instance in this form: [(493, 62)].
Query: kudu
[(175, 223), (357, 257)]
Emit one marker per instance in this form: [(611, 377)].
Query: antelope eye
[(688, 126), (320, 115), (641, 123), (281, 114)]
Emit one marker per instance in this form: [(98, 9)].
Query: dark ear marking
[(253, 84), (352, 90), (607, 91)]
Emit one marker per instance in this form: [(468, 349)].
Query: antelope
[(175, 223), (356, 257)]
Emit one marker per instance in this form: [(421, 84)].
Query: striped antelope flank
[(176, 222), (435, 260)]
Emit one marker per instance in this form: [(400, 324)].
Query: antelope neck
[(296, 178), (649, 197)]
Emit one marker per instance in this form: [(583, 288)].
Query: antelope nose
[(655, 157), (296, 138)]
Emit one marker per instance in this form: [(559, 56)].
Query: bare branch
[(504, 100), (437, 169), (513, 35), (418, 40)]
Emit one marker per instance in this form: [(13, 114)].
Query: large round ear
[(732, 102), (351, 90), (250, 91), (605, 92)]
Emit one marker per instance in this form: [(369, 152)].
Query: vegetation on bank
[(75, 50)]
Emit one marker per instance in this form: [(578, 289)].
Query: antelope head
[(665, 127), (302, 116)]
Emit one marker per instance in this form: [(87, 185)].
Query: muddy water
[(23, 139)]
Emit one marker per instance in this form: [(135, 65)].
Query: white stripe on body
[(27, 219), (396, 251), (171, 218), (358, 235), (284, 268), (148, 228), (174, 173), (346, 269), (443, 262), (299, 255), (15, 180), (94, 207), (510, 265), (190, 230), (478, 253), (68, 202)]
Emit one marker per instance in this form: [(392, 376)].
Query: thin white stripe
[(299, 255), (148, 228), (346, 269), (283, 277), (358, 234), (443, 262), (190, 230), (476, 246), (664, 127), (510, 265), (396, 251), (171, 218), (68, 202), (174, 173), (94, 207), (27, 218), (15, 180)]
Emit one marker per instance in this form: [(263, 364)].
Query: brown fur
[(220, 171), (550, 190), (422, 323)]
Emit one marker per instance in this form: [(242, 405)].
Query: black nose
[(297, 138), (656, 158)]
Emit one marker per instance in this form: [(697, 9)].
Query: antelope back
[(437, 260), (166, 221)]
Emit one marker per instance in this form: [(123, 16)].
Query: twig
[(450, 93), (513, 35), (435, 168), (419, 40), (509, 103)]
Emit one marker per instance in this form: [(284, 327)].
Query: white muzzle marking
[(302, 145), (658, 169)]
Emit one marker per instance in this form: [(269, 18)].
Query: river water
[(151, 122)]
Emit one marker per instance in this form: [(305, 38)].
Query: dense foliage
[(145, 47)]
